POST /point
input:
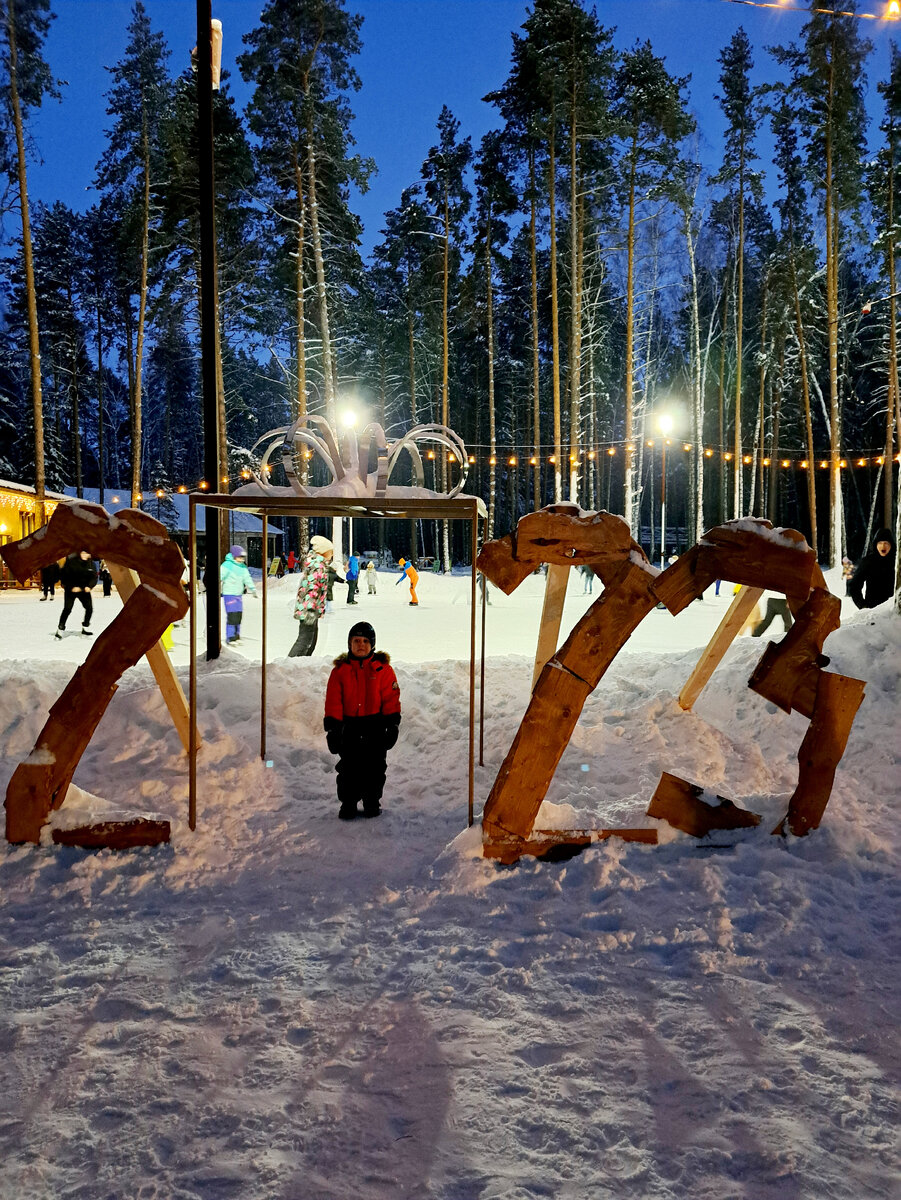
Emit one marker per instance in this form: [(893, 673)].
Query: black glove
[(333, 731), (392, 728)]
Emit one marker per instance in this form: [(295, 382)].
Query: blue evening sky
[(417, 55)]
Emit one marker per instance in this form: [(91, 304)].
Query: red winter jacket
[(364, 687)]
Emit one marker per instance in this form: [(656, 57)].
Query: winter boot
[(347, 812)]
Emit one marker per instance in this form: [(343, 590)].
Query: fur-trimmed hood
[(377, 656)]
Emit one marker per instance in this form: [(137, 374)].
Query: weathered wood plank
[(115, 835), (680, 804), (837, 700), (543, 735), (608, 624), (497, 563), (743, 604), (551, 616), (788, 670), (558, 699), (160, 663), (546, 843)]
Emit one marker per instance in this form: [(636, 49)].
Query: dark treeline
[(554, 294)]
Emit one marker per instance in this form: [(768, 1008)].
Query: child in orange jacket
[(362, 719)]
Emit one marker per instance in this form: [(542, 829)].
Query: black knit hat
[(361, 629)]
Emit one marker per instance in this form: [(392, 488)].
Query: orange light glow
[(747, 460), (727, 457), (785, 462), (591, 455), (804, 464), (766, 462), (552, 459), (823, 465), (533, 462), (842, 462), (686, 445), (160, 493), (431, 454), (471, 459), (182, 489), (861, 462), (612, 450), (511, 462), (708, 454)]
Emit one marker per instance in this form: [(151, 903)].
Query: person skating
[(49, 580), (77, 577), (105, 578), (874, 580), (311, 592), (409, 572), (362, 719), (371, 577), (776, 606), (352, 576), (334, 576), (234, 581)]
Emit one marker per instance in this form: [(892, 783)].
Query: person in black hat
[(874, 579), (362, 719)]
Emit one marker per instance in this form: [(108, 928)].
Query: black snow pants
[(69, 604)]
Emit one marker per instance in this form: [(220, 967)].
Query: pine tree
[(25, 80), (128, 174), (652, 121)]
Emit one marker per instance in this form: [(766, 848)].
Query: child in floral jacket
[(311, 592)]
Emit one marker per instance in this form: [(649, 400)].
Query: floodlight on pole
[(664, 423)]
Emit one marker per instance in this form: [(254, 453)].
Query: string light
[(512, 462)]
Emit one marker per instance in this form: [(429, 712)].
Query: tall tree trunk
[(759, 455), (772, 506), (100, 463), (891, 407), (739, 330), (299, 398), (808, 422), (34, 347), (445, 375), (555, 319), (721, 408), (321, 291), (492, 425), (575, 333), (834, 544), (136, 404), (629, 498), (536, 362), (697, 398)]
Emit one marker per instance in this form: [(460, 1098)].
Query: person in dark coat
[(362, 719), (106, 579), (49, 580), (874, 580), (77, 577)]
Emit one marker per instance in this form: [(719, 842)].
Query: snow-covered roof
[(117, 498)]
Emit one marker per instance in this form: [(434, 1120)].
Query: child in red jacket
[(362, 718)]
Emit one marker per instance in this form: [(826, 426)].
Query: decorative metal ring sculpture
[(347, 457)]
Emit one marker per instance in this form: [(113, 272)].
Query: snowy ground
[(280, 1005)]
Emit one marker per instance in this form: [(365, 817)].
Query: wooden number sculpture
[(791, 672), (133, 540)]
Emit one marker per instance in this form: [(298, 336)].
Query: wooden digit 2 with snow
[(134, 541), (791, 673)]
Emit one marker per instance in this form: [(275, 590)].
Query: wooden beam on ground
[(551, 616), (681, 805), (838, 698), (554, 843), (115, 835), (173, 694), (728, 629)]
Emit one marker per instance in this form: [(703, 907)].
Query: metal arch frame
[(441, 508)]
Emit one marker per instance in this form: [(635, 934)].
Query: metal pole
[(263, 673), (474, 537), (192, 687), (663, 511), (211, 464)]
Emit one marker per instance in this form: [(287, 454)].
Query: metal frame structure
[(456, 508)]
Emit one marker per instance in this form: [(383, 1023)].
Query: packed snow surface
[(282, 1005)]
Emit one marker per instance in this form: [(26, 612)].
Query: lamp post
[(664, 428), (348, 420)]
